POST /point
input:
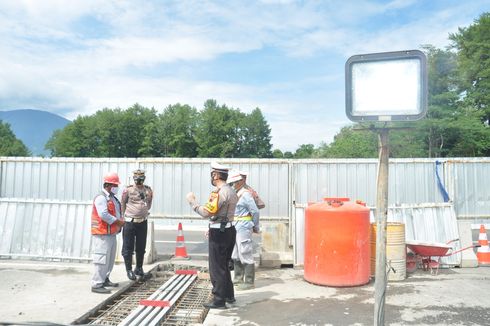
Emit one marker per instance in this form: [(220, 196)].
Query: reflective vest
[(240, 193), (99, 226)]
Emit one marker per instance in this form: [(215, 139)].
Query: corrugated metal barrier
[(45, 202)]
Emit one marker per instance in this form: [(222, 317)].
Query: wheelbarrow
[(429, 255)]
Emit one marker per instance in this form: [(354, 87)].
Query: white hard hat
[(234, 176), (215, 166), (243, 172)]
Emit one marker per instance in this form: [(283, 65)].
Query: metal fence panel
[(45, 229), (79, 179), (410, 180), (45, 202), (431, 222), (467, 183), (314, 180), (413, 181)]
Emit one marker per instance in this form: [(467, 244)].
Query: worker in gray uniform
[(246, 222), (136, 204), (106, 223), (219, 209)]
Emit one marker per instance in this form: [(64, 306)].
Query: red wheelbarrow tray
[(428, 249)]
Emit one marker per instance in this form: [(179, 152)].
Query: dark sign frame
[(385, 57)]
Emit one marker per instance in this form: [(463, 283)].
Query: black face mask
[(212, 178), (139, 180)]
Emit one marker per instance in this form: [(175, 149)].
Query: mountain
[(34, 127)]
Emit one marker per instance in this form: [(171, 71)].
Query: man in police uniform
[(136, 203), (220, 210)]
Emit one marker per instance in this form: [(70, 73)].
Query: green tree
[(277, 153), (305, 151), (172, 134), (78, 139), (473, 53), (255, 136), (351, 143), (108, 133), (453, 126), (217, 132), (11, 145), (124, 130)]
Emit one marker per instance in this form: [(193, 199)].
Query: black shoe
[(139, 271), (101, 289), (232, 300), (131, 275), (110, 284), (215, 305), (143, 278)]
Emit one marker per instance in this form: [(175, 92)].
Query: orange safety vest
[(99, 226)]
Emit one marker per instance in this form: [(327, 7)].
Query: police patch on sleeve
[(212, 205)]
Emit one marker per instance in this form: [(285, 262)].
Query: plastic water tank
[(337, 243)]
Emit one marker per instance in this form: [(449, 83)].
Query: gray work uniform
[(246, 221), (104, 246)]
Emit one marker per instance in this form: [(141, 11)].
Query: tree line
[(178, 131), (456, 125)]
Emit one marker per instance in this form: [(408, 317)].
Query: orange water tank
[(337, 243)]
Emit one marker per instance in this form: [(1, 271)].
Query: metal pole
[(381, 217)]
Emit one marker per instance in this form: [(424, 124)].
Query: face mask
[(114, 190), (139, 180)]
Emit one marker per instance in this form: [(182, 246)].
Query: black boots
[(130, 275), (101, 289), (138, 273), (139, 265), (215, 304), (128, 261), (108, 283)]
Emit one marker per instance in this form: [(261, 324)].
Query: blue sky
[(285, 57)]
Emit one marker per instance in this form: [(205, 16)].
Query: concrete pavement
[(282, 297), (60, 293)]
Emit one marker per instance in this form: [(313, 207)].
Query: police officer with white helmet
[(219, 209)]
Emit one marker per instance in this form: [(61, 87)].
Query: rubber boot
[(249, 277), (238, 269), (139, 265), (128, 261)]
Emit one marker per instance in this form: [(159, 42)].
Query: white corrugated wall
[(44, 201)]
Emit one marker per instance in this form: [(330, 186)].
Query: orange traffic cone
[(483, 252), (180, 251)]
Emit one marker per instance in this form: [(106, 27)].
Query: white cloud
[(87, 55)]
